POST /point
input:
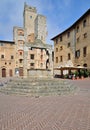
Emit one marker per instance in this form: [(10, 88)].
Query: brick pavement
[(71, 112)]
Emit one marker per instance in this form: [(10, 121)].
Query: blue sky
[(60, 15)]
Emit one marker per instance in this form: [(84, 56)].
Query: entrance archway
[(3, 72)]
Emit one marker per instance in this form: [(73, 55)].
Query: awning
[(71, 68)]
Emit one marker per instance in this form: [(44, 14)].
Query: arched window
[(85, 65)]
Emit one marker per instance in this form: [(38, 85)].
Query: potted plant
[(85, 73), (77, 75), (73, 76), (82, 74), (88, 73)]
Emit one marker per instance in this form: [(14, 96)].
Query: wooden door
[(3, 72), (20, 71)]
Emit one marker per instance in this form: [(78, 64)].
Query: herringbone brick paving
[(71, 112)]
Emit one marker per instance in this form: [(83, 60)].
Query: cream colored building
[(7, 58), (72, 46), (32, 55)]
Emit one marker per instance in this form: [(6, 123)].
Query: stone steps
[(38, 87)]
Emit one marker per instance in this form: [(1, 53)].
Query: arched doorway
[(3, 72)]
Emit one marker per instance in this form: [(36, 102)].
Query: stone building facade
[(40, 28), (7, 58), (32, 55), (72, 46)]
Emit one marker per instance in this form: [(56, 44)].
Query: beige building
[(32, 57), (72, 46), (7, 58)]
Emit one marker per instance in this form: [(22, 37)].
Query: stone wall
[(40, 73)]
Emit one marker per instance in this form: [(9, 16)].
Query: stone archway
[(3, 72)]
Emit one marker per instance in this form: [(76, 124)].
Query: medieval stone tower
[(29, 17), (40, 28), (34, 24), (33, 54)]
